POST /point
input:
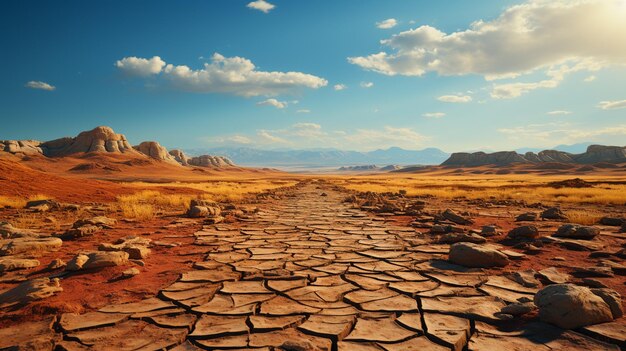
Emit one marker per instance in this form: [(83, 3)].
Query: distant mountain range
[(325, 157)]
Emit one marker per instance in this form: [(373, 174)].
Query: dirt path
[(311, 273)]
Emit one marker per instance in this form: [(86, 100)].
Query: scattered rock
[(29, 246), (518, 308), (13, 263), (99, 259), (575, 231), (472, 255), (56, 264), (136, 247), (553, 213), (553, 275), (570, 306), (456, 218), (612, 221), (613, 299), (526, 217), (129, 273), (524, 232), (452, 238), (526, 278), (489, 230), (30, 290)]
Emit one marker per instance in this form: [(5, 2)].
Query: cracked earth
[(312, 273)]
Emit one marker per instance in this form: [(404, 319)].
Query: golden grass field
[(529, 188)]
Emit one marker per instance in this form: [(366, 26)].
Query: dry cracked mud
[(311, 272)]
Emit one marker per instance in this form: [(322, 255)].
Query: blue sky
[(414, 74)]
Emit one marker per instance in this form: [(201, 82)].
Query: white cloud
[(535, 35), (367, 84), (340, 87), (312, 135), (266, 138), (550, 134), (386, 137), (240, 139), (233, 75), (590, 79), (612, 105), (559, 113), (273, 102), (387, 24), (261, 5), (434, 115), (303, 111), (136, 66), (455, 98), (35, 84)]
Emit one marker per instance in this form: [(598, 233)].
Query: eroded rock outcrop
[(594, 154), (180, 157), (99, 139), (155, 151), (210, 161)]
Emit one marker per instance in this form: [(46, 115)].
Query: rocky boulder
[(210, 161), (30, 290), (180, 157), (473, 255), (204, 209), (575, 231), (99, 139), (570, 306), (526, 217), (553, 213), (21, 147), (155, 151), (99, 259), (455, 217), (524, 232)]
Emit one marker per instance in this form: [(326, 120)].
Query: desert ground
[(153, 258)]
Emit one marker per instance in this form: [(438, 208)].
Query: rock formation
[(154, 150), (180, 157), (24, 147), (99, 139), (210, 161), (594, 154)]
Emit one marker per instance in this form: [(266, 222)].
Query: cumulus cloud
[(612, 105), (339, 87), (535, 35), (261, 5), (367, 84), (434, 114), (559, 113), (232, 75), (274, 103), (387, 24), (137, 66), (455, 98), (36, 84)]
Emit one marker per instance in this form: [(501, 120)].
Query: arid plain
[(138, 248)]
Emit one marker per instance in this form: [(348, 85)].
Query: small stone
[(553, 213), (473, 255), (524, 232), (574, 231), (526, 217), (129, 273), (569, 306), (518, 308)]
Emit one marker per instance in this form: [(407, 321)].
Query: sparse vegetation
[(585, 217), (19, 202), (527, 188)]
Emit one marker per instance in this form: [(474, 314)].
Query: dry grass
[(139, 211), (585, 217), (222, 190), (19, 202), (146, 204), (527, 188)]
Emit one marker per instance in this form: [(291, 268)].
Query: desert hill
[(594, 154), (104, 141)]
